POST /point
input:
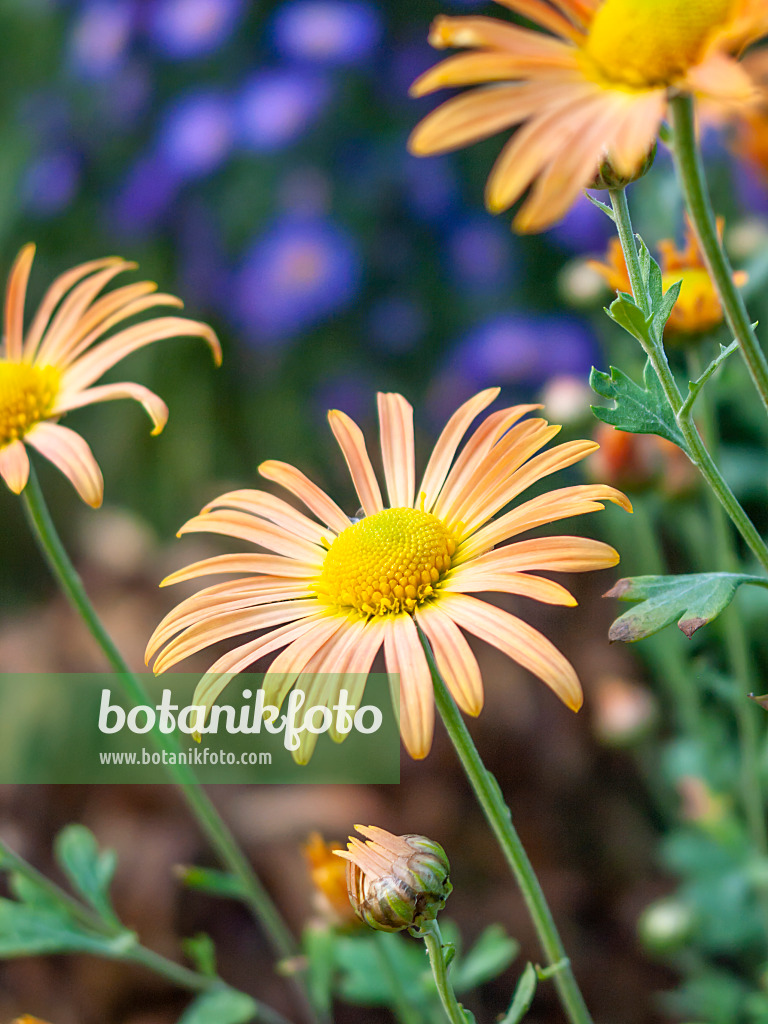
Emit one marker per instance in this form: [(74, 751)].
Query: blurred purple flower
[(481, 256), (196, 134), (192, 28), (276, 107), (396, 324), (144, 197), (431, 186), (583, 229), (295, 275), (51, 183), (326, 31), (100, 37)]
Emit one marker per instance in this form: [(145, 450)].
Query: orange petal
[(267, 506), (274, 565), (70, 453), (544, 15), (257, 531), (316, 500), (450, 437), (14, 466), (564, 554), (405, 658), (473, 116), (15, 293), (454, 658), (397, 449), (352, 444), (478, 580), (154, 406), (517, 640)]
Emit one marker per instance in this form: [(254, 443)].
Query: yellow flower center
[(698, 307), (647, 43), (27, 395), (388, 562)]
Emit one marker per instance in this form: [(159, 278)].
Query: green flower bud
[(608, 177), (395, 882)]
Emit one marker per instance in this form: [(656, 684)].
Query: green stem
[(133, 952), (690, 171), (208, 818), (430, 932), (736, 639), (499, 817), (697, 450)]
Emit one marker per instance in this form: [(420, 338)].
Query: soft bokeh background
[(251, 157)]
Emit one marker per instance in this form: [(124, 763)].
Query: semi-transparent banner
[(73, 728)]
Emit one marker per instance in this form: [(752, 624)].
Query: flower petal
[(544, 15), (93, 364), (405, 658), (397, 449), (478, 580), (291, 662), (70, 453), (564, 554), (256, 531), (454, 658), (154, 406), (442, 454), (274, 565), (277, 511), (15, 293), (316, 500), (352, 444), (14, 466), (517, 640)]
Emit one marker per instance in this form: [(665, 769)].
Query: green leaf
[(601, 206), (202, 952), (35, 931), (319, 948), (223, 1006), (627, 314), (215, 883), (636, 409), (695, 386), (88, 869), (662, 309), (30, 892), (694, 600), (523, 997), (493, 952)]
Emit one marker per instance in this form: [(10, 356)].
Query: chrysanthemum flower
[(49, 370), (749, 137), (329, 878), (698, 308), (592, 87), (332, 591)]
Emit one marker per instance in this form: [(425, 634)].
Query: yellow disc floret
[(27, 394), (649, 43), (387, 563)]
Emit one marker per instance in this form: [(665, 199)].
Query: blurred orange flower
[(592, 87)]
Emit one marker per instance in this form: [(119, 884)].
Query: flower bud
[(666, 925), (609, 177), (395, 882)]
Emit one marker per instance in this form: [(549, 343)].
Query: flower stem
[(430, 932), (208, 818), (499, 817), (690, 170), (697, 450)]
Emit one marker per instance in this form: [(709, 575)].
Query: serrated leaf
[(215, 883), (523, 997), (694, 600), (202, 952), (636, 409), (89, 869), (493, 952), (34, 931), (223, 1006), (662, 309), (601, 206), (627, 314), (25, 890)]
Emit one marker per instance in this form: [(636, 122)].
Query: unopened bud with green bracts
[(395, 882)]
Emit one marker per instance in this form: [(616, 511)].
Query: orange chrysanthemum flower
[(50, 370), (592, 87), (333, 591), (749, 139), (698, 308)]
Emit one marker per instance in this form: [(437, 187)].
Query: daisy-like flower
[(592, 87), (333, 591), (749, 138), (698, 308), (50, 370)]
